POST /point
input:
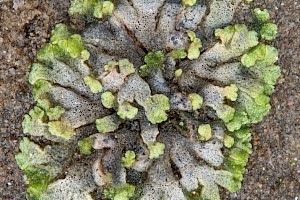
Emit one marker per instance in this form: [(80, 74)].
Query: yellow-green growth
[(230, 92), (178, 54), (82, 7), (61, 129), (103, 8), (127, 111), (34, 120), (204, 131), (45, 104), (268, 31), (63, 45), (261, 15), (196, 101), (32, 160), (225, 34), (108, 124), (228, 141), (153, 59), (55, 113), (126, 67), (194, 47), (156, 149), (40, 89), (225, 113), (128, 159), (108, 99), (156, 108), (188, 2), (85, 55), (181, 124), (94, 85), (178, 73), (260, 55), (111, 65), (37, 72), (120, 192), (230, 35), (107, 7), (85, 145)]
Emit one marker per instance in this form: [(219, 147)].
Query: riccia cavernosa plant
[(153, 100)]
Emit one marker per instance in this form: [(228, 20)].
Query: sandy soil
[(273, 171)]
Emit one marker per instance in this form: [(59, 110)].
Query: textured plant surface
[(153, 100)]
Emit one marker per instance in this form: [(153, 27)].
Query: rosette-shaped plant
[(153, 100)]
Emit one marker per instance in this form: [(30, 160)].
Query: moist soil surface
[(273, 171)]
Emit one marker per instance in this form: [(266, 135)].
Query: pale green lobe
[(82, 7), (108, 100), (156, 108), (38, 180), (55, 113), (188, 2), (156, 149), (129, 159), (192, 35), (32, 160), (268, 31), (204, 131), (153, 60), (120, 192), (178, 73), (85, 55), (85, 145), (108, 123), (40, 89), (37, 72), (181, 124), (61, 32), (107, 8), (225, 34), (94, 85), (261, 15), (35, 122), (127, 111), (63, 45), (228, 141), (231, 37), (226, 113), (31, 154), (260, 55), (49, 52), (178, 54), (252, 104), (72, 46), (45, 104), (194, 48), (240, 118), (126, 67), (110, 65), (103, 8), (61, 129), (143, 70), (98, 11), (196, 101), (230, 92)]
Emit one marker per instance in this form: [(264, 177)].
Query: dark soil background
[(273, 171)]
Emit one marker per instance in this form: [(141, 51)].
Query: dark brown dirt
[(273, 171)]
